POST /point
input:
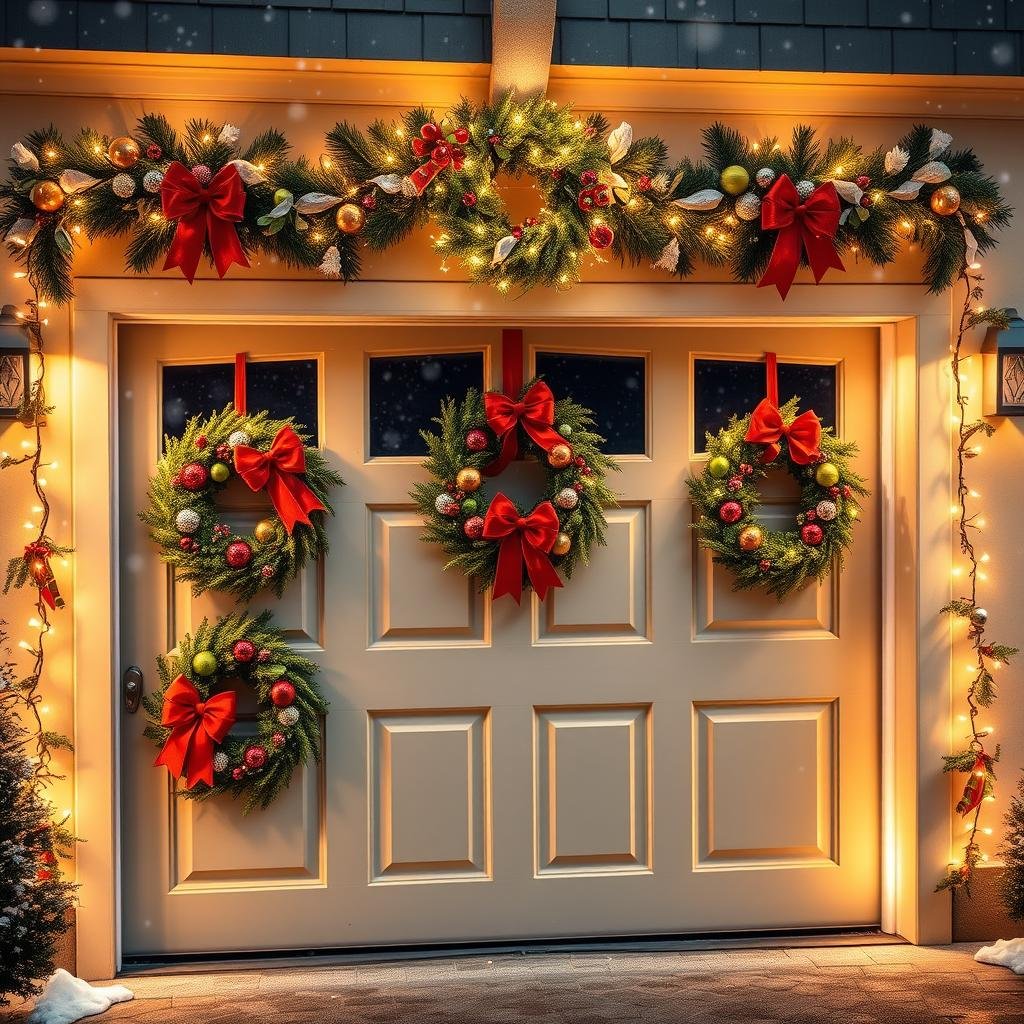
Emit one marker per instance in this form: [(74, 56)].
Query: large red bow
[(441, 150), (803, 227), (37, 557), (196, 725), (203, 213), (802, 436), (278, 471), (523, 539), (535, 411)]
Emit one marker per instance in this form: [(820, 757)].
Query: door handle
[(131, 688)]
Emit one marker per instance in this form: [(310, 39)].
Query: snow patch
[(1004, 953), (66, 998)]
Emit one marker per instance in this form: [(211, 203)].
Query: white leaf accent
[(908, 190), (316, 202), (24, 157), (22, 231), (845, 215), (619, 142), (249, 173), (896, 159), (331, 265), (848, 190), (390, 183), (932, 173), (282, 207), (72, 181), (229, 134), (669, 258), (503, 248), (971, 264), (940, 141), (705, 199)]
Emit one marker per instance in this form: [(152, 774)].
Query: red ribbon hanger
[(803, 435), (809, 227), (209, 213), (240, 383), (196, 725), (524, 539), (534, 411)]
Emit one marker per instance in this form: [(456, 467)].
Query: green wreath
[(288, 722), (182, 513), (725, 496), (457, 511)]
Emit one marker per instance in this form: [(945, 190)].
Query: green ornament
[(827, 475), (219, 472), (469, 506), (281, 195), (719, 467), (565, 430), (204, 663), (735, 179)]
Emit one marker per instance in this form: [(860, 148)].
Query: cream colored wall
[(305, 99)]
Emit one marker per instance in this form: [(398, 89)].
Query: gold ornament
[(265, 531), (750, 538), (468, 479), (826, 475), (123, 152), (350, 218), (47, 196), (945, 201), (559, 456), (562, 544), (735, 179)]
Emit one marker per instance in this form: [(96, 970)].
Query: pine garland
[(601, 193)]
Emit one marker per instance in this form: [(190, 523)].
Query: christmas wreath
[(493, 540), (191, 715), (268, 455), (726, 497)]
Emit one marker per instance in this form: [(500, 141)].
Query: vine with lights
[(758, 207)]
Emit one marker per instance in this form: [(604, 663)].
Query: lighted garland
[(182, 511), (755, 206), (191, 714), (473, 528)]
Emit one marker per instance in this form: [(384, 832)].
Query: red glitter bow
[(203, 214), (196, 725), (442, 150), (278, 472), (524, 539), (802, 227)]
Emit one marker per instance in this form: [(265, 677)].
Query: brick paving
[(894, 984)]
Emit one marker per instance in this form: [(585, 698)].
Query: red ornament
[(278, 739), (201, 442), (469, 199), (185, 543), (866, 201), (264, 656), (153, 152), (44, 875), (282, 694), (811, 534), (461, 136), (48, 857), (601, 236), (255, 757), (476, 440), (243, 652), (473, 527), (577, 486), (369, 201), (194, 477), (238, 773), (834, 492), (517, 232), (238, 554), (267, 571), (764, 565), (588, 177), (643, 183), (556, 174), (730, 512), (224, 452), (863, 181), (735, 483), (810, 515), (847, 490), (494, 139)]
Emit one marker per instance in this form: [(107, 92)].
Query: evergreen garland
[(782, 562), (584, 522), (288, 740), (599, 191)]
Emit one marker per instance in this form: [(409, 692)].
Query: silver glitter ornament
[(565, 430), (446, 504), (187, 521), (237, 437), (826, 510), (748, 206), (567, 498), (123, 186), (765, 177), (288, 716), (152, 180), (221, 762), (805, 188), (979, 616)]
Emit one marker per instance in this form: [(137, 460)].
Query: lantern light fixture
[(15, 346)]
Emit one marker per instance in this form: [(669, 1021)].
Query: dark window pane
[(724, 387), (285, 387), (614, 387), (406, 393)]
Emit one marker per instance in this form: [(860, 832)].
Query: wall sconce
[(14, 363), (1003, 369)]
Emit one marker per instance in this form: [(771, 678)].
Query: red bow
[(278, 472), (37, 556), (441, 150), (535, 411), (196, 725), (802, 435), (974, 790), (203, 214), (523, 539), (803, 227)]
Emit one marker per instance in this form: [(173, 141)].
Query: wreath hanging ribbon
[(524, 539), (278, 472), (803, 435), (203, 214), (442, 153), (803, 227), (196, 725)]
